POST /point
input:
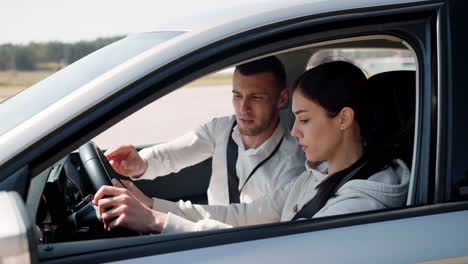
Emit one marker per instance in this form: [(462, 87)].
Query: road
[(170, 116)]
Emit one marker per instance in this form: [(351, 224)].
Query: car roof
[(268, 11)]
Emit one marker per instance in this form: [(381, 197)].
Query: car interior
[(59, 202)]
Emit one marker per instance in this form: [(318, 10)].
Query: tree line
[(40, 56)]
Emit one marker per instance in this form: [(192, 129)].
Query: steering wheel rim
[(96, 165)]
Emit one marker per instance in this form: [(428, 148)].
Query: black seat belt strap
[(261, 163), (312, 207), (231, 159)]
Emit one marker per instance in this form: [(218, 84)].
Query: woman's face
[(319, 135)]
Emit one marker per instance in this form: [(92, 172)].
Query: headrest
[(393, 97)]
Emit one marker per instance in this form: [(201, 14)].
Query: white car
[(43, 181)]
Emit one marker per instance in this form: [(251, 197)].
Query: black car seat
[(393, 97)]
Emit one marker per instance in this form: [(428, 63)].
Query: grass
[(22, 78), (12, 82), (212, 79)]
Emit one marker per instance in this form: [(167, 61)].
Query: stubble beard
[(254, 131)]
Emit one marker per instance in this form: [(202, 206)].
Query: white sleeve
[(187, 150), (177, 224), (288, 173), (185, 216)]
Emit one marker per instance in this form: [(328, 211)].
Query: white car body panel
[(14, 245), (392, 242)]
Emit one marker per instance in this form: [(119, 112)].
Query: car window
[(53, 88), (392, 72), (211, 96), (198, 102), (174, 114), (370, 60)]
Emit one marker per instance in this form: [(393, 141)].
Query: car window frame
[(452, 101)]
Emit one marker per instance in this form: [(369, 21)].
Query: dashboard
[(66, 211)]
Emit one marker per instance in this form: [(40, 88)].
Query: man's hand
[(134, 190), (126, 161), (120, 208)]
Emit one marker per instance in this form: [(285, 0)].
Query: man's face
[(257, 99)]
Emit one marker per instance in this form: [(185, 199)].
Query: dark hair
[(336, 85), (269, 64), (333, 86)]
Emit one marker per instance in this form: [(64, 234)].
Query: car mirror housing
[(16, 230)]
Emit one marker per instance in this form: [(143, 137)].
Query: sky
[(24, 21)]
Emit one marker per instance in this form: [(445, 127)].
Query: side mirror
[(16, 230)]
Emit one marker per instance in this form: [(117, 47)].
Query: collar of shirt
[(266, 147), (318, 170)]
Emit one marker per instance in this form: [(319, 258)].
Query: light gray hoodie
[(385, 189)]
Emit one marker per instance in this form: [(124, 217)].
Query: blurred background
[(39, 38)]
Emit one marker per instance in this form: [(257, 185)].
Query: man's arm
[(119, 207), (171, 157), (184, 216), (194, 212), (165, 158), (126, 161)]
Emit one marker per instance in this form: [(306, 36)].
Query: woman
[(333, 125)]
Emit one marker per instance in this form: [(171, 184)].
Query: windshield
[(19, 108)]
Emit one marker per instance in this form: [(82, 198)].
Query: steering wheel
[(96, 165), (100, 173)]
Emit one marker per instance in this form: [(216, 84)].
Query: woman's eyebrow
[(299, 111)]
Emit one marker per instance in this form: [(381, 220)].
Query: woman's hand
[(129, 185), (118, 207)]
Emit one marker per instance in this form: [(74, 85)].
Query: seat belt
[(312, 207), (231, 159)]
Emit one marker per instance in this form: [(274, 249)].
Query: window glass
[(175, 114), (198, 102), (395, 92), (370, 60), (57, 86)]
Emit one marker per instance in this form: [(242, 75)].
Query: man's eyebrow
[(259, 93), (299, 111)]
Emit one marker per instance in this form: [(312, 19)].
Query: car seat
[(393, 97)]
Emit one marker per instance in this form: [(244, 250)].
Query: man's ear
[(346, 117), (283, 97)]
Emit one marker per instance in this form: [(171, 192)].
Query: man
[(252, 153)]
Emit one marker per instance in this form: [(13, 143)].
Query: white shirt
[(385, 189), (210, 140)]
